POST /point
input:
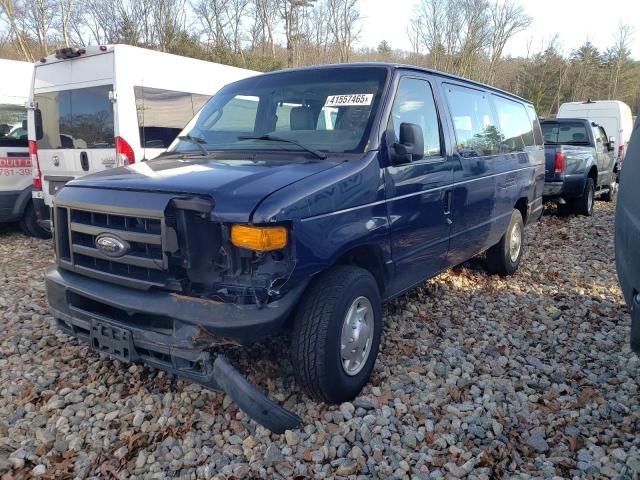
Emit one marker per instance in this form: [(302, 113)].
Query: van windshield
[(565, 133), (78, 118), (13, 126), (328, 110)]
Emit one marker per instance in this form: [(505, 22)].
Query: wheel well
[(521, 205), (593, 174), (368, 257)]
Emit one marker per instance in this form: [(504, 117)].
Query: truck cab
[(295, 201)]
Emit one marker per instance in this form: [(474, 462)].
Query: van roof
[(400, 66)]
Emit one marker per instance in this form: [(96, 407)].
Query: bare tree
[(507, 19), (343, 20), (13, 13), (619, 56)]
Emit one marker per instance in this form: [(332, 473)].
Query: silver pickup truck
[(580, 165)]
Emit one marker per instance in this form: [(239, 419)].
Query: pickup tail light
[(559, 162), (35, 165), (124, 152)]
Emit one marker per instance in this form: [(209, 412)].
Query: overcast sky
[(574, 20)]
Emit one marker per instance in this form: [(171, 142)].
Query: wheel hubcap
[(357, 336), (515, 243)]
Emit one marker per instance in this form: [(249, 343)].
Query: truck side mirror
[(411, 145)]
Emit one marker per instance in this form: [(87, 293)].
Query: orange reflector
[(262, 239)]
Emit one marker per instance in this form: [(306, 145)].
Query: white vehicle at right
[(613, 115)]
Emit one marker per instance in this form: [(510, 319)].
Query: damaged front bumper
[(172, 332)]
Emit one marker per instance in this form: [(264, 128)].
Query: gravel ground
[(479, 377)]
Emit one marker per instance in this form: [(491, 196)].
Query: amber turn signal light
[(261, 239)]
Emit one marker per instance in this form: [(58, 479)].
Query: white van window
[(477, 132), (79, 118), (514, 124), (13, 126), (162, 114)]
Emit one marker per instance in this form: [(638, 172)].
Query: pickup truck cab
[(579, 164), (295, 201)]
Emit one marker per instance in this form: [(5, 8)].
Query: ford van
[(296, 201)]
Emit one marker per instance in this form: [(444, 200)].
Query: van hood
[(236, 186)]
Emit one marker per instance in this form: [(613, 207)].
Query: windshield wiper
[(196, 141), (275, 138)]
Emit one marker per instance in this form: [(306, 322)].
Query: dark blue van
[(295, 201)]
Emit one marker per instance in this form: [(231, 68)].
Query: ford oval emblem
[(111, 245)]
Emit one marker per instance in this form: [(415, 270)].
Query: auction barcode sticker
[(353, 100)]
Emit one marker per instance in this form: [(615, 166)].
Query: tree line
[(463, 37)]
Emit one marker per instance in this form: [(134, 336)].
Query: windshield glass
[(330, 110), (78, 118), (13, 126), (565, 133)]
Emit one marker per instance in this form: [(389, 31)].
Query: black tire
[(316, 339), (611, 195), (564, 209), (583, 205), (29, 224), (499, 257)]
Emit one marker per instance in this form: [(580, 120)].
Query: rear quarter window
[(515, 125), (477, 132), (13, 126)]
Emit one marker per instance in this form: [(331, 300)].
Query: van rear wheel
[(29, 223), (504, 257), (336, 334)]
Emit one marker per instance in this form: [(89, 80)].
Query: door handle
[(447, 202), (84, 161)]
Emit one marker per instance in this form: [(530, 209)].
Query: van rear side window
[(515, 125), (79, 118), (476, 129), (13, 126), (162, 114)]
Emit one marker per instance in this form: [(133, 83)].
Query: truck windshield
[(327, 110), (13, 126), (565, 133), (78, 118)]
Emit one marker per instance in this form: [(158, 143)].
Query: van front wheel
[(504, 257), (29, 223), (336, 334)]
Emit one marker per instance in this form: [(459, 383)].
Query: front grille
[(143, 265)]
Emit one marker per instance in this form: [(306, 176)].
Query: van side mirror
[(411, 145), (611, 145), (38, 122)]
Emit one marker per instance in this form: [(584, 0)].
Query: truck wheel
[(504, 257), (29, 223), (583, 205), (336, 334), (611, 195)]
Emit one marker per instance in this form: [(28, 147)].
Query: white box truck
[(613, 115), (100, 107), (15, 164)]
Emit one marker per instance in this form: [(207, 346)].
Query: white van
[(101, 107), (613, 115), (15, 164)]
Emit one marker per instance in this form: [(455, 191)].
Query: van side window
[(537, 130), (477, 132), (414, 103), (515, 125), (13, 126), (162, 114)]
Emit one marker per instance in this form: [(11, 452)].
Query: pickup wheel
[(337, 333), (611, 195), (583, 205), (504, 257), (29, 223)]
